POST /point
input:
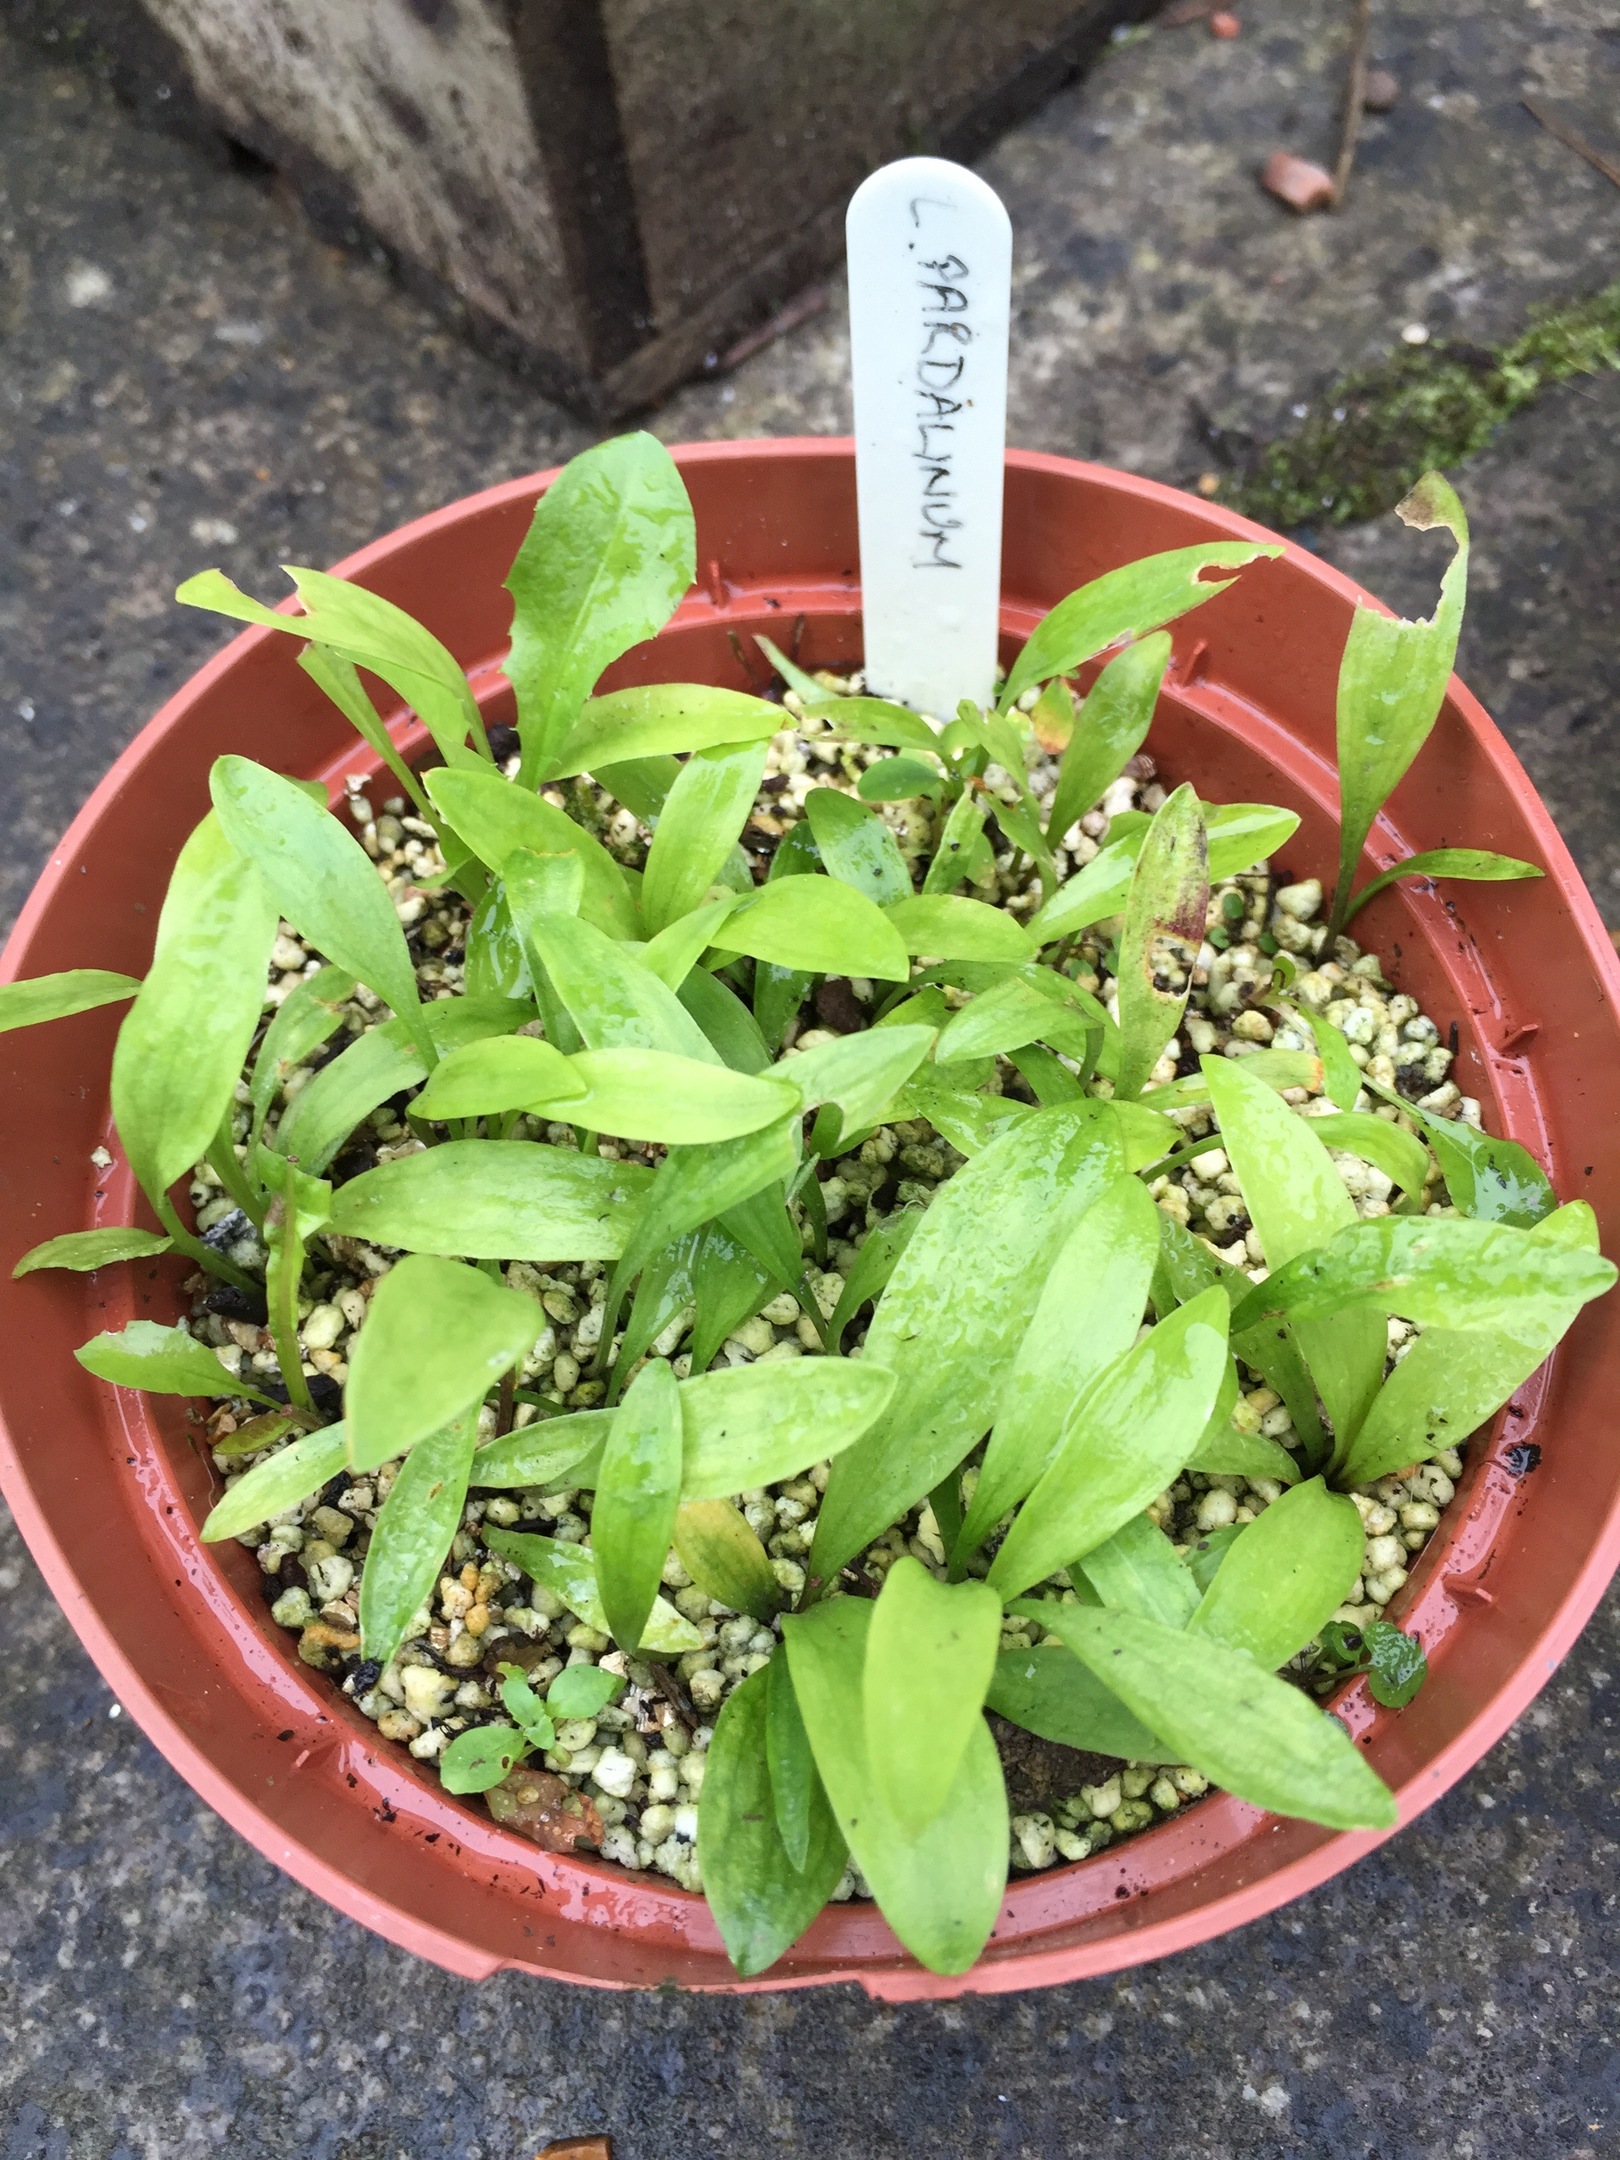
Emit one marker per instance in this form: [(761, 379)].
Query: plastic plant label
[(930, 267)]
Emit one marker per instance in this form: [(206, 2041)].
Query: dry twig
[(1355, 96), (1572, 140)]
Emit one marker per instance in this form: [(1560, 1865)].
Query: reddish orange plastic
[(109, 1488)]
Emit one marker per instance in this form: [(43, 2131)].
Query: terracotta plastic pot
[(109, 1488)]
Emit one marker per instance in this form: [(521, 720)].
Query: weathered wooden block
[(609, 191)]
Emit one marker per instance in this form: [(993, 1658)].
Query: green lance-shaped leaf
[(1492, 1180), (818, 925), (299, 1206), (1109, 729), (378, 1064), (663, 1293), (780, 991), (1223, 1451), (1207, 1554), (1034, 1005), (636, 1094), (764, 1225), (1452, 1379), (695, 1185), (638, 1488), (608, 556), (182, 1043), (876, 720), (1296, 1201), (762, 1895), (570, 1571), (1137, 1570), (730, 1027), (612, 997), (1285, 1577), (1164, 927), (1144, 1133), (1189, 1267), (857, 847), (930, 1651), (504, 1072), (960, 840), (322, 880), (1125, 603), (804, 686), (1475, 865), (676, 1101), (758, 1424), (1441, 1271), (678, 947), (1239, 836), (1088, 1314), (56, 997), (860, 1073), (1048, 1691), (341, 682), (706, 810), (948, 927), (898, 779), (495, 1200), (630, 725), (498, 819), (370, 632), (967, 1121), (437, 1336), (1121, 1446), (1278, 1069), (723, 1557), (84, 1250), (1342, 1079), (743, 1426), (308, 1016), (1392, 683), (795, 1781), (280, 1482), (161, 1361), (874, 1263), (729, 1285), (957, 1306), (497, 963), (412, 1539), (1227, 1716), (940, 1891)]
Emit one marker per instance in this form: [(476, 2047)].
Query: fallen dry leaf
[(589, 2148), (540, 1806)]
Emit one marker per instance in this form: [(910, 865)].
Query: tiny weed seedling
[(623, 1075)]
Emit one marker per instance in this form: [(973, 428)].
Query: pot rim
[(895, 1977)]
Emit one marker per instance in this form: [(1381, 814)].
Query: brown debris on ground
[(540, 1806)]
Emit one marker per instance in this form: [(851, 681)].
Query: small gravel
[(641, 1760)]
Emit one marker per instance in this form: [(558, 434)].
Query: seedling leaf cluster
[(1041, 1325)]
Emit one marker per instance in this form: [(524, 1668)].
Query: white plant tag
[(930, 274)]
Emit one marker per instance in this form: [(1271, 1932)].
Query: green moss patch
[(1369, 436)]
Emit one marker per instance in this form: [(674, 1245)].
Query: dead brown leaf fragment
[(586, 2148), (540, 1806)]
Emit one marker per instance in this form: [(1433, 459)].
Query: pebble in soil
[(639, 1763)]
